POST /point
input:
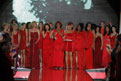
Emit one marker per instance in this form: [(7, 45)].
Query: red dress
[(35, 62), (89, 51), (80, 46), (40, 41), (97, 53), (112, 41), (22, 39), (69, 42), (102, 31), (58, 55), (106, 58), (46, 52)]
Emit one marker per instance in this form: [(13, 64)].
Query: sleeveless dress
[(89, 51), (46, 52), (34, 50), (106, 58), (58, 55), (69, 44), (97, 53), (23, 39)]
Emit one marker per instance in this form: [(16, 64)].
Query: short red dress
[(22, 39), (69, 44)]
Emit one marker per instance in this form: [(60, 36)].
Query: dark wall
[(101, 11)]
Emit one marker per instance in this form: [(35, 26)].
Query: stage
[(24, 74)]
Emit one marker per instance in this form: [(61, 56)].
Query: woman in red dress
[(46, 46), (79, 46), (69, 45), (15, 42), (89, 51), (58, 55), (28, 51), (106, 57), (98, 48), (34, 40), (41, 40), (113, 37), (23, 42)]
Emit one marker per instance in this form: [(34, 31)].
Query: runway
[(25, 74)]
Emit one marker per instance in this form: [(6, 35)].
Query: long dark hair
[(27, 25), (87, 26), (57, 23), (105, 32), (81, 26), (99, 29), (45, 27)]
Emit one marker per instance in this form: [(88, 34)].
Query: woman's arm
[(101, 42)]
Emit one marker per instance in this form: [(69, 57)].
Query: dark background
[(102, 10)]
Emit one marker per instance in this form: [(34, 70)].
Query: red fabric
[(15, 38), (22, 39), (97, 53), (27, 57), (106, 58), (89, 51), (46, 52), (58, 55), (112, 41), (79, 46), (102, 31), (40, 41), (69, 45), (35, 62)]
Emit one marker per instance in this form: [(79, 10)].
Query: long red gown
[(106, 58), (58, 55), (89, 51), (112, 41), (22, 39), (34, 50), (97, 53), (46, 52), (80, 46)]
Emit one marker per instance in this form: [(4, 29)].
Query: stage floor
[(59, 75)]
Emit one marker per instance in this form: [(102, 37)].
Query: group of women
[(58, 48)]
